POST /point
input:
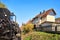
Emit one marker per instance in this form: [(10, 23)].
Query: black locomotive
[(9, 29)]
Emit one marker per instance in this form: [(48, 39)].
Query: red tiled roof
[(37, 16), (48, 12), (44, 14)]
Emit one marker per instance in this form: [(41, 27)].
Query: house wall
[(50, 27), (58, 28), (39, 21), (46, 24), (47, 28), (53, 28), (35, 21), (43, 19), (50, 18)]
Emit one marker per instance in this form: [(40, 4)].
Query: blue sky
[(27, 9)]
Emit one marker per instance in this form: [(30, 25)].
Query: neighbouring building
[(46, 21)]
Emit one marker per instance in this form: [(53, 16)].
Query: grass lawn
[(41, 36)]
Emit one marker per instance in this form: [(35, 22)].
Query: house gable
[(51, 11)]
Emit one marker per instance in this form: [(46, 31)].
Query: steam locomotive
[(9, 29)]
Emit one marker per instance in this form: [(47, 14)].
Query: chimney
[(43, 11), (40, 13)]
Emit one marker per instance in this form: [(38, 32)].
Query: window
[(51, 13)]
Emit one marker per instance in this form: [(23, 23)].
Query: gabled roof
[(39, 15), (48, 12), (44, 14)]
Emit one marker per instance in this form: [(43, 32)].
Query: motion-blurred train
[(9, 29)]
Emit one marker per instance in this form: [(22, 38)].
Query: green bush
[(42, 36)]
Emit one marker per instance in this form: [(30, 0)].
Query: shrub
[(28, 28)]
